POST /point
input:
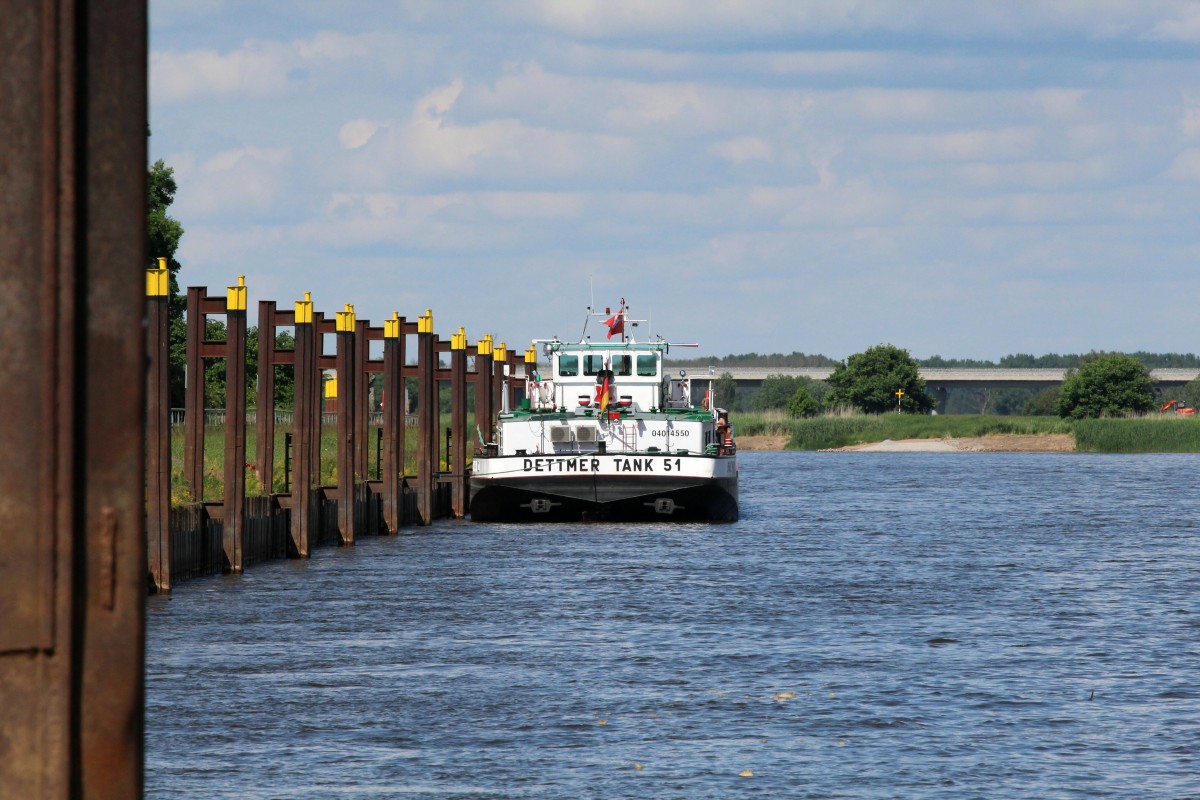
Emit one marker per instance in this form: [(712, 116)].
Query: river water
[(877, 625)]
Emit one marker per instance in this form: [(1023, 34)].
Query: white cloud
[(261, 68), (742, 149), (233, 182), (1185, 166), (431, 145), (356, 133), (968, 145)]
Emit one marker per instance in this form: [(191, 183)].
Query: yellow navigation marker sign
[(899, 397)]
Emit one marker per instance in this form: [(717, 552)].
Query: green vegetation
[(1044, 403), (163, 233), (1144, 434), (803, 404), (869, 381), (1106, 385), (214, 460), (777, 391), (1165, 434), (828, 432)]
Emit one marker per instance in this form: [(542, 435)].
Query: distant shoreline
[(995, 443)]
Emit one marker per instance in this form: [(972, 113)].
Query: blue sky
[(962, 179)]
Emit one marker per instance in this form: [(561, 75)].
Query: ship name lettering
[(560, 465)]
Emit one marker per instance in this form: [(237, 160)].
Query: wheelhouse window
[(568, 366), (647, 366), (622, 365), (592, 365)]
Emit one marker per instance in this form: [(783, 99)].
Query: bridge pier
[(941, 396)]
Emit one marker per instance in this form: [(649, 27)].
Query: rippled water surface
[(877, 625)]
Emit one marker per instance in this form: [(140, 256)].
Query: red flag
[(616, 324)]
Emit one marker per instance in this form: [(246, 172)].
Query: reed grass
[(1148, 434)]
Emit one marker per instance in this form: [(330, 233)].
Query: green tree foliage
[(777, 391), (869, 381), (163, 234), (1106, 385), (803, 404), (285, 386), (725, 389), (1044, 403)]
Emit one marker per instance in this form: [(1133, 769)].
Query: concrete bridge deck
[(949, 377)]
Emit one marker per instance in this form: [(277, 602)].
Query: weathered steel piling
[(357, 504)]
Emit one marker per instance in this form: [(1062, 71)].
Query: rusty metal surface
[(347, 377), (361, 400), (72, 386), (235, 438), (306, 409), (427, 406), (158, 445), (264, 403), (458, 433), (393, 431), (483, 395)]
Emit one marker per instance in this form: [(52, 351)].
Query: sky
[(967, 180)]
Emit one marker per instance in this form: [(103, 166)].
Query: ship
[(606, 432)]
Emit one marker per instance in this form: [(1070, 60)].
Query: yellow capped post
[(235, 300), (158, 280), (391, 327), (484, 347), (531, 355), (304, 309), (345, 320), (500, 353), (458, 341), (425, 322)]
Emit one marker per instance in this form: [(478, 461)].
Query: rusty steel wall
[(72, 386)]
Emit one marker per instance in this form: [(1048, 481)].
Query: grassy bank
[(1138, 435), (1150, 434)]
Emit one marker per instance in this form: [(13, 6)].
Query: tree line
[(886, 378)]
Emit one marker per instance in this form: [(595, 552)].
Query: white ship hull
[(605, 486)]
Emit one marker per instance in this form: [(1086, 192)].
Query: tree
[(726, 391), (775, 392), (803, 404), (869, 381), (285, 386), (1044, 403), (162, 240), (1106, 385)]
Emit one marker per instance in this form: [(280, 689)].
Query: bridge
[(948, 377), (941, 381)]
